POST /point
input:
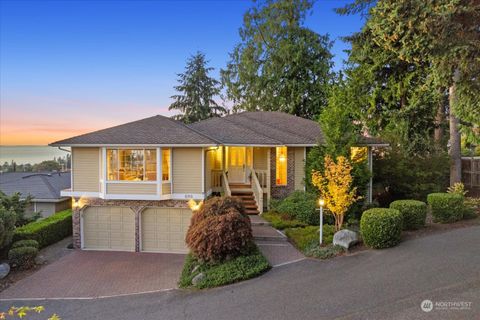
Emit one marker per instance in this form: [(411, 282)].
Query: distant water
[(29, 154)]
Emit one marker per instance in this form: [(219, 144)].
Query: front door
[(236, 164)]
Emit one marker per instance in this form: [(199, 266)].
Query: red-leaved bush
[(220, 230)]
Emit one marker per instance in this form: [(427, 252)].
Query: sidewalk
[(273, 244)]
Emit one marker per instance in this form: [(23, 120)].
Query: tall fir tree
[(197, 92), (279, 65)]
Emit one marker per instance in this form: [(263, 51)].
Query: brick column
[(137, 211), (76, 236)]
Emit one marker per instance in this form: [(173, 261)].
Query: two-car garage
[(161, 229)]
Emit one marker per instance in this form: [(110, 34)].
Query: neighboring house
[(44, 187), (131, 183)]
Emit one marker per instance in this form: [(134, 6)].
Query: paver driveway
[(100, 273)]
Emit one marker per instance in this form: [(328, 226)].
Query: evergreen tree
[(197, 92), (280, 65)]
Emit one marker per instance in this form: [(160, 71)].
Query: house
[(44, 187), (131, 183)]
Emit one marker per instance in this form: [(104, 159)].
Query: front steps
[(264, 233), (245, 193)]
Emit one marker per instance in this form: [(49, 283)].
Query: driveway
[(373, 284), (100, 273)]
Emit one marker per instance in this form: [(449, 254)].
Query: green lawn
[(218, 274), (282, 221)]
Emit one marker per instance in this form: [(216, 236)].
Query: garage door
[(164, 229), (109, 228)]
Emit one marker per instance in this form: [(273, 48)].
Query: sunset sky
[(68, 68)]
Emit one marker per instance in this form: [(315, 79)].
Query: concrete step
[(267, 233), (258, 221)]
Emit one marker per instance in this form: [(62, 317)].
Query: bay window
[(131, 164), (281, 166)]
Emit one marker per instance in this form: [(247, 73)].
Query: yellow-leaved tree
[(335, 186)]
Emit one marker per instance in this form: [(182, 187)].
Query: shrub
[(7, 226), (282, 221), (46, 231), (219, 235), (414, 213), (25, 243), (446, 207), (248, 266), (472, 208), (304, 237), (22, 257), (299, 205), (330, 251), (381, 228), (216, 206)]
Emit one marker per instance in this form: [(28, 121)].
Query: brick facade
[(279, 192), (137, 206)]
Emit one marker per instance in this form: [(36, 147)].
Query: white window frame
[(144, 166)]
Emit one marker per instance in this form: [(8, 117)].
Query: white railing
[(226, 187), (217, 180), (262, 176), (257, 191)]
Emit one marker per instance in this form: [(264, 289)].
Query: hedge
[(25, 243), (46, 231), (381, 228), (413, 212), (446, 207)]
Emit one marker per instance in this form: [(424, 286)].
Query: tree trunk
[(439, 131), (455, 143)]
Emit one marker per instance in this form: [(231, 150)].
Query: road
[(373, 284)]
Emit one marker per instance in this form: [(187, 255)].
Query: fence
[(471, 175)]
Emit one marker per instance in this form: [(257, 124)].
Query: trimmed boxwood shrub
[(46, 231), (414, 213), (299, 205), (381, 227), (446, 207), (22, 257), (25, 243)]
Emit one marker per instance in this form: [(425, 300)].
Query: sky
[(71, 67)]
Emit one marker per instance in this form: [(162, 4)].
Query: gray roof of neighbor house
[(40, 185), (156, 130)]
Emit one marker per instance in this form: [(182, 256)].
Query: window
[(166, 164), (281, 166), (132, 164)]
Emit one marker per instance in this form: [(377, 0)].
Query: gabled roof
[(156, 130), (41, 185), (262, 128), (259, 128)]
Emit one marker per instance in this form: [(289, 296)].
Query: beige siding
[(299, 168), (45, 208), (164, 229), (132, 188), (86, 168), (187, 170), (260, 158), (166, 188)]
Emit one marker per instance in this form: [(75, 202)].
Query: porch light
[(321, 203), (282, 158), (78, 204), (194, 206)]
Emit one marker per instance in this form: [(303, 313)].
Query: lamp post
[(321, 203)]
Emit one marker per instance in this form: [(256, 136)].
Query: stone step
[(251, 211)]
